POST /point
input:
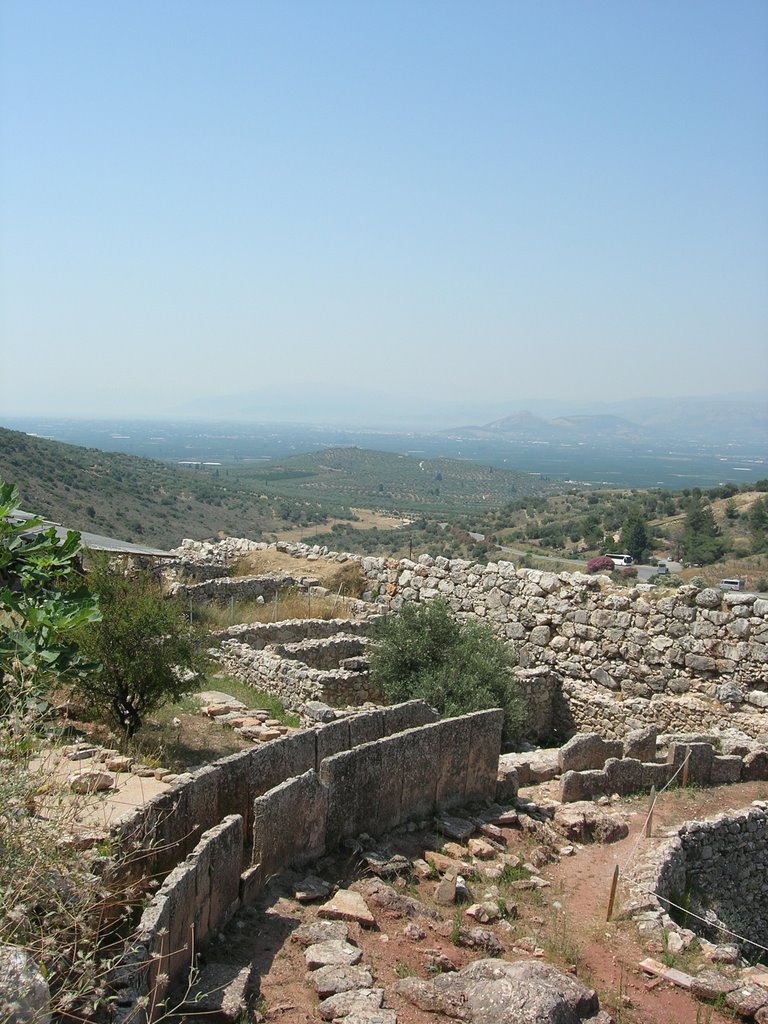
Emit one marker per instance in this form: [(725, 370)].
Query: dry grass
[(288, 604)]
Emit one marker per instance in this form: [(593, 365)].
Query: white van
[(732, 584)]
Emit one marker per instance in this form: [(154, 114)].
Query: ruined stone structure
[(219, 834), (605, 657), (717, 869)]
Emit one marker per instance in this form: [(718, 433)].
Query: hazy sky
[(472, 199)]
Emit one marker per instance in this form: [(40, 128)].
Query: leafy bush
[(41, 598), (601, 563), (144, 643), (457, 667)]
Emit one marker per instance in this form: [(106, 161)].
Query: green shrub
[(143, 642), (457, 667)]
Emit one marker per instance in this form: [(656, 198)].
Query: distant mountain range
[(720, 421), (716, 419)]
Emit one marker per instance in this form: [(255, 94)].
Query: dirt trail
[(568, 919), (610, 953)]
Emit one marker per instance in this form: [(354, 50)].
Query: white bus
[(620, 559)]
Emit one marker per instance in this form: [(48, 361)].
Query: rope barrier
[(719, 927), (641, 833)]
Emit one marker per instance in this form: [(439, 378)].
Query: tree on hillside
[(457, 667), (42, 598), (758, 525), (143, 642), (702, 542), (635, 539)]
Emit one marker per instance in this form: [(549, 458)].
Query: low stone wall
[(196, 899), (259, 634), (323, 654), (396, 776), (719, 868), (592, 766), (165, 829), (239, 588), (299, 668)]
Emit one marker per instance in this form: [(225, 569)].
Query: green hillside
[(126, 496), (361, 478)]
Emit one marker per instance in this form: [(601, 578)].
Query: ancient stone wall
[(295, 682), (685, 659), (386, 780), (238, 588), (719, 869)]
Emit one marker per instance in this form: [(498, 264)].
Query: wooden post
[(685, 767), (614, 883), (649, 820)]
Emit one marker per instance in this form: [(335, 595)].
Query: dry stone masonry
[(603, 657)]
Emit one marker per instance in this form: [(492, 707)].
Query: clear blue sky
[(484, 200)]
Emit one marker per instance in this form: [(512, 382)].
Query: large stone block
[(726, 768), (412, 757), (408, 715), (331, 739), (624, 775), (366, 727), (588, 750), (484, 750), (658, 775), (507, 781), (700, 757), (453, 750), (641, 743), (755, 766), (289, 824), (582, 785), (355, 790)]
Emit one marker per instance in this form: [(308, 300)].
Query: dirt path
[(610, 953), (567, 919)]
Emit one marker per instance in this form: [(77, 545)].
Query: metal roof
[(94, 541)]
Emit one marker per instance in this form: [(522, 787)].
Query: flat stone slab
[(312, 888), (346, 1003), (217, 697), (456, 828), (333, 953), (371, 1017), (329, 980), (348, 906), (747, 1000), (711, 985), (312, 932)]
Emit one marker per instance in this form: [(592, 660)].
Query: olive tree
[(456, 666)]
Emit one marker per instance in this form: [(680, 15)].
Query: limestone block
[(700, 757), (507, 781), (277, 842), (624, 775), (641, 744), (587, 750), (24, 994), (726, 768), (582, 785), (755, 766)]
